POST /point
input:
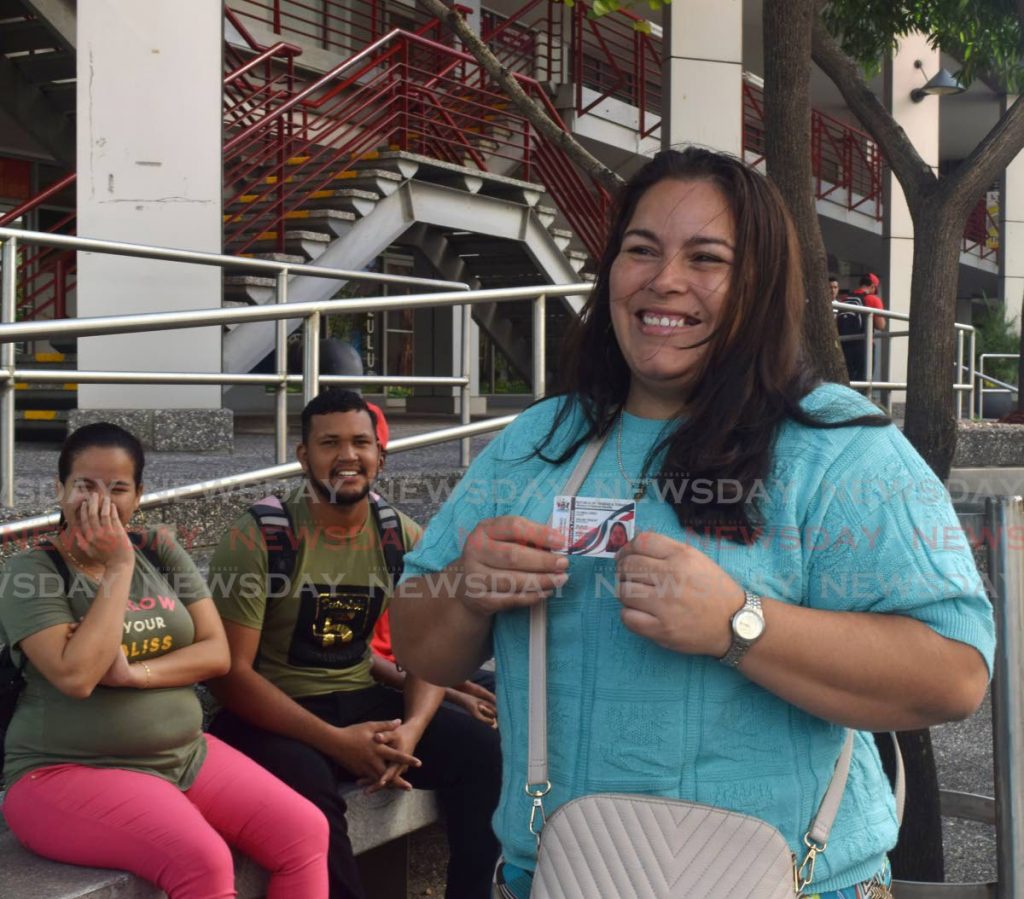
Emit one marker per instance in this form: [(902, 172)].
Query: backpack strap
[(146, 547), (57, 560), (139, 543), (278, 532), (275, 524), (392, 539)]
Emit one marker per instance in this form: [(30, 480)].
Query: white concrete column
[(1011, 236), (149, 172), (703, 66), (921, 123)]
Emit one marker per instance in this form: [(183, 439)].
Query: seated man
[(300, 698)]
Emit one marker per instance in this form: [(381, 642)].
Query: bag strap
[(275, 524), (392, 539), (139, 543), (537, 783)]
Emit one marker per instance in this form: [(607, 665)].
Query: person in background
[(106, 762), (722, 654), (300, 697)]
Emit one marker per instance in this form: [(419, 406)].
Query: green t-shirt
[(154, 731), (317, 627)]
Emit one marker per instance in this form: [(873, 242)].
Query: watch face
[(748, 625)]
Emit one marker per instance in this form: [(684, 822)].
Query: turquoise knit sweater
[(855, 520)]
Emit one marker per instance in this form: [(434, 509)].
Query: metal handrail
[(983, 378), (311, 312), (41, 524), (219, 260), (963, 332)]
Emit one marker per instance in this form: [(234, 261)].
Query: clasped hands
[(671, 593), (378, 752)]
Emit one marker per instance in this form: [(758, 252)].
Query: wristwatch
[(747, 628)]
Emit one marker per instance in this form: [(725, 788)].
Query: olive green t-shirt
[(154, 731), (316, 625)]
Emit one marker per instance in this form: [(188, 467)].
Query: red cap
[(874, 279), (383, 432)]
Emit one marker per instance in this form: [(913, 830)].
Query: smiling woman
[(667, 288), (708, 660)]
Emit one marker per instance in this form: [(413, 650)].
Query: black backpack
[(278, 532), (849, 323), (12, 676)]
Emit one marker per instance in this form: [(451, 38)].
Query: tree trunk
[(787, 123), (930, 418)]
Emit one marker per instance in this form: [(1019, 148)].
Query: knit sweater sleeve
[(892, 542)]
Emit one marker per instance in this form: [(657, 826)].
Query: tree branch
[(531, 110), (913, 173), (993, 153)]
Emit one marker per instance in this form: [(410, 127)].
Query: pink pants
[(112, 818)]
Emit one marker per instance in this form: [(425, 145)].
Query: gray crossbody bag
[(646, 847)]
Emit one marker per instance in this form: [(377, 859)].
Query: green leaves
[(985, 35)]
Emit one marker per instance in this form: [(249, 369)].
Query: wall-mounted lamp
[(941, 84)]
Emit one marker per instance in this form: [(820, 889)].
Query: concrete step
[(327, 221), (356, 201), (43, 68), (305, 244)]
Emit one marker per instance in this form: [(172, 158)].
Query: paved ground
[(963, 750)]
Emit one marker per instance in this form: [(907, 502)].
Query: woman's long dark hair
[(751, 376)]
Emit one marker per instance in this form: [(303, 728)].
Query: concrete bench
[(379, 826)]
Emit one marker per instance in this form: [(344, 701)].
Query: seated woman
[(784, 583), (106, 762)]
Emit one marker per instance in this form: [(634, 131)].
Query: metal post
[(311, 357), (971, 350), (959, 372), (281, 365), (1005, 517), (8, 300), (869, 354), (465, 400), (539, 346)]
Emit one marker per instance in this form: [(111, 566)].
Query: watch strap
[(739, 646)]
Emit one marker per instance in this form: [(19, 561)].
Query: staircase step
[(248, 289), (305, 244), (346, 200), (63, 95), (46, 360), (45, 397), (379, 181), (546, 214), (286, 258), (562, 236), (42, 68), (324, 221), (17, 37)]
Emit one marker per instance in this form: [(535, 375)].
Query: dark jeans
[(461, 760)]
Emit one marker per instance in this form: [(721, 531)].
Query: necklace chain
[(85, 566), (639, 486)]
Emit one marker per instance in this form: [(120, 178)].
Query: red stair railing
[(343, 26), (981, 236), (617, 57), (46, 275), (404, 92), (846, 163)]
